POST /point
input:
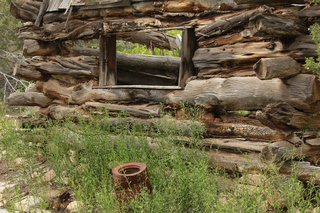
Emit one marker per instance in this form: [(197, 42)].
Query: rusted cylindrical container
[(130, 179)]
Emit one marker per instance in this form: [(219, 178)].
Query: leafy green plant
[(314, 63)]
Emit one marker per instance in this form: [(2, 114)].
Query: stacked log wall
[(250, 57)]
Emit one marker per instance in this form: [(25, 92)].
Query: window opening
[(111, 75)]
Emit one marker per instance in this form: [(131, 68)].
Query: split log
[(232, 56), (31, 67), (282, 116), (133, 69), (156, 65), (237, 93), (29, 99), (75, 29), (228, 39), (141, 111), (283, 150), (236, 162), (22, 71), (281, 67), (269, 25), (144, 8), (225, 23), (234, 145)]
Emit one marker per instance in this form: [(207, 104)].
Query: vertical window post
[(188, 47), (107, 60)]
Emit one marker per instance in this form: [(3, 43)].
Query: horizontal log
[(281, 67), (236, 93), (141, 111), (149, 63), (144, 8), (240, 37), (230, 56), (27, 73), (310, 11), (303, 170), (237, 163), (270, 25), (225, 23), (28, 99), (243, 130), (233, 145), (283, 150), (132, 68), (281, 115)]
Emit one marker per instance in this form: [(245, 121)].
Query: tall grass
[(82, 155)]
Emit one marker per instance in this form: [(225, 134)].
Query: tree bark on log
[(281, 67), (237, 93), (29, 99)]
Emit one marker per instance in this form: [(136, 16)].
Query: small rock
[(19, 161), (49, 176), (75, 206), (28, 203)]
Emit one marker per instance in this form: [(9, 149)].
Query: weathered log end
[(281, 67), (29, 99)]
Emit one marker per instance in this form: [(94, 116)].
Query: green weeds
[(82, 155)]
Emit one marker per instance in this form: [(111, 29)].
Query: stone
[(75, 206), (28, 204), (49, 176)]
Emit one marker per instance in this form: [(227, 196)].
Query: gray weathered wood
[(232, 56), (237, 93), (283, 150), (225, 23), (111, 60), (102, 61), (140, 111), (304, 171), (43, 8), (281, 67), (188, 47), (270, 25), (28, 99)]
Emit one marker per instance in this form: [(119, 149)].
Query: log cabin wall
[(238, 55)]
